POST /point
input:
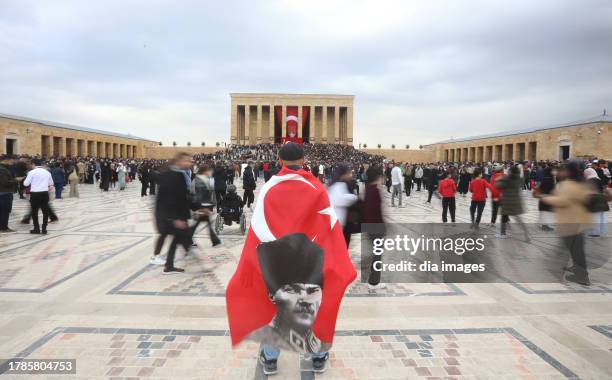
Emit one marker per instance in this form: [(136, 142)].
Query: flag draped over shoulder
[(293, 226)]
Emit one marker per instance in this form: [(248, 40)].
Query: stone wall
[(582, 140), (36, 138)]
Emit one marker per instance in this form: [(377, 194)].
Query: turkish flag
[(292, 121), (294, 267)]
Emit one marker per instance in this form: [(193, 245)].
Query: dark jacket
[(547, 185), (431, 179), (220, 176), (511, 203), (248, 179), (8, 183), (59, 176), (172, 202), (231, 201), (21, 169), (597, 186), (143, 175), (372, 205)]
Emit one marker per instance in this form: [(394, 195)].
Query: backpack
[(597, 202)]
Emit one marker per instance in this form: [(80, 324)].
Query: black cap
[(291, 151), (289, 260)]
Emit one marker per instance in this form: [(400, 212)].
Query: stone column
[(313, 128), (259, 116), (271, 126), (336, 124), (324, 124), (284, 121), (50, 146), (62, 146), (349, 125), (299, 121), (247, 124), (234, 125)]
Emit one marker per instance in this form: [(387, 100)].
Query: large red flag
[(294, 267)]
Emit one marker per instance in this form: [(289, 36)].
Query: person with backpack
[(599, 203)]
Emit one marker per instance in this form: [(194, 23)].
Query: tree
[(188, 143), (173, 143), (420, 146), (217, 144), (407, 146), (379, 146), (392, 146), (365, 146), (160, 143), (203, 143)]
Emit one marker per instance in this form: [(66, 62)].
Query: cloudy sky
[(421, 71)]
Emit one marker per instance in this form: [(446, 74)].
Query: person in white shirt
[(340, 196), (396, 182), (418, 177), (40, 182)]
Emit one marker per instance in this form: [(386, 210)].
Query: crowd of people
[(577, 192), (211, 177)]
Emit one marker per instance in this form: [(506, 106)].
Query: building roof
[(597, 119), (288, 95), (71, 127)]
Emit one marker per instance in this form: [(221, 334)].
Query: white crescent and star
[(258, 221)]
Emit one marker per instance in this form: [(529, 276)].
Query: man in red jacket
[(478, 188), (447, 189)]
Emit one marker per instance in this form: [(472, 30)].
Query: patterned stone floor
[(86, 291)]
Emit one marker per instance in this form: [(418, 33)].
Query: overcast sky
[(421, 71)]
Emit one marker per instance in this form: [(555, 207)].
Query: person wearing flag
[(294, 269)]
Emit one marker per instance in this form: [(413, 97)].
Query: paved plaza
[(86, 291)]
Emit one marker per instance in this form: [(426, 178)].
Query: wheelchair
[(227, 216)]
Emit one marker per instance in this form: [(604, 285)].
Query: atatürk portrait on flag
[(292, 268)]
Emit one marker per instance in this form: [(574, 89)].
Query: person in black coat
[(547, 185), (143, 177), (105, 176), (153, 173), (388, 177), (431, 181), (220, 178), (172, 208), (408, 173), (464, 182), (249, 184), (230, 174)]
